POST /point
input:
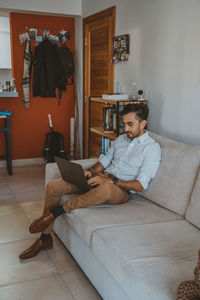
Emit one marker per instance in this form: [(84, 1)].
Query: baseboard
[(23, 162)]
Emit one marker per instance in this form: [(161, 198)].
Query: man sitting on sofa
[(127, 167)]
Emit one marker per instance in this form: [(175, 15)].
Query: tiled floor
[(52, 274)]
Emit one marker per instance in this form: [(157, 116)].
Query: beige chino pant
[(106, 192)]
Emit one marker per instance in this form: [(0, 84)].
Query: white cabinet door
[(5, 49)]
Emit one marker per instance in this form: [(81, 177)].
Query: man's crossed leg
[(106, 192)]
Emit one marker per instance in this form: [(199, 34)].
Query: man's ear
[(143, 124)]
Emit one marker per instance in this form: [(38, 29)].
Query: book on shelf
[(109, 119), (106, 144), (115, 97)]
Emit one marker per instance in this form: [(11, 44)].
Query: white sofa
[(145, 248)]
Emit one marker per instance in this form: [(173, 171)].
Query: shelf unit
[(100, 131), (96, 129)]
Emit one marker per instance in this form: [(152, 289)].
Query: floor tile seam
[(67, 287), (76, 267), (13, 195), (87, 278), (6, 194), (54, 263), (60, 274), (15, 198), (15, 191), (11, 213), (11, 191), (73, 269), (9, 195), (14, 241), (14, 214), (34, 279), (27, 213), (22, 210), (24, 192)]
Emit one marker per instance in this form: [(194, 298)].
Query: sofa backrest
[(174, 182), (193, 210)]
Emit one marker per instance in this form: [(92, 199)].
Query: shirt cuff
[(104, 161), (144, 180)]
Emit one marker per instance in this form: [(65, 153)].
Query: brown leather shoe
[(42, 223), (36, 248)]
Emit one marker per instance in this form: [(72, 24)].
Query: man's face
[(133, 127)]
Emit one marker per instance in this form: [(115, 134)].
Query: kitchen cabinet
[(5, 49)]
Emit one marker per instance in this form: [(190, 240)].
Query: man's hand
[(88, 174), (94, 170), (99, 179)]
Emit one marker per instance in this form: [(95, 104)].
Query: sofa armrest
[(52, 171)]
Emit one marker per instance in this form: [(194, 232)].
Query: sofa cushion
[(135, 211), (149, 260), (174, 181), (193, 210)]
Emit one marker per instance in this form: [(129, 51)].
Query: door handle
[(85, 99)]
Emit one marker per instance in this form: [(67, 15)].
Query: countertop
[(8, 94)]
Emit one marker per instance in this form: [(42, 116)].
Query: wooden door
[(99, 30)]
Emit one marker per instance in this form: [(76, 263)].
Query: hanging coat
[(48, 70), (27, 72)]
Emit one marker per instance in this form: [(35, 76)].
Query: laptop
[(73, 173)]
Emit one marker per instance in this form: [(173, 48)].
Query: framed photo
[(121, 43), (120, 48), (32, 33), (45, 34)]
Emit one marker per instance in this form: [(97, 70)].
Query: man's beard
[(135, 135)]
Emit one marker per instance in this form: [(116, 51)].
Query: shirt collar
[(141, 138)]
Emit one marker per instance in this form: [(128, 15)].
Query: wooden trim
[(110, 12), (102, 14), (112, 69), (86, 86)]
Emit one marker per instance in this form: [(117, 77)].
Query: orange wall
[(29, 125)]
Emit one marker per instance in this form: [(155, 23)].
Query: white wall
[(164, 60), (5, 75), (5, 48), (68, 7)]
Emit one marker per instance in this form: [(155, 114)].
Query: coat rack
[(32, 34)]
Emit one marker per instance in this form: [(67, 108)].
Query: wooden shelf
[(122, 102), (100, 131)]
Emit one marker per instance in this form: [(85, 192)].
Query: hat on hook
[(63, 35), (24, 37)]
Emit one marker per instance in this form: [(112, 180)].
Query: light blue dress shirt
[(136, 159)]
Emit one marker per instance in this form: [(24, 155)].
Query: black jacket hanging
[(67, 60), (49, 72)]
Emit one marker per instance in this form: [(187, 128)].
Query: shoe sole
[(47, 248)]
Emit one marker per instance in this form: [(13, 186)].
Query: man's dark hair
[(140, 110)]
